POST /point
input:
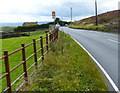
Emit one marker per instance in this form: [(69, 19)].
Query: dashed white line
[(102, 69), (113, 41)]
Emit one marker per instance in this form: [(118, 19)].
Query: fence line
[(52, 37)]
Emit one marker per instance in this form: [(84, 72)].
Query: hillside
[(108, 21)]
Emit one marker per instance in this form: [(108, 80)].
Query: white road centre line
[(102, 69), (113, 41)]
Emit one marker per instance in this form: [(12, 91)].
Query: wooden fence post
[(42, 50), (49, 36), (24, 64), (7, 68), (52, 37), (35, 54), (47, 42)]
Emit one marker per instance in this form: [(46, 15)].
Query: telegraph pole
[(71, 14), (96, 12)]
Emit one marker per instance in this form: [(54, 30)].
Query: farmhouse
[(29, 23)]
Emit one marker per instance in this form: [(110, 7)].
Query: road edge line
[(102, 69)]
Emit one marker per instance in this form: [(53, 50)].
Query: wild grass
[(67, 67), (12, 44), (92, 27)]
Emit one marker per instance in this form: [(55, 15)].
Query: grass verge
[(67, 67), (91, 27)]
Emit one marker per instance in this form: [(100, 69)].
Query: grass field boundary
[(51, 38)]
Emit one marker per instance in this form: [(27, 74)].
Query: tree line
[(41, 26)]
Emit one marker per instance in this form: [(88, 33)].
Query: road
[(102, 46)]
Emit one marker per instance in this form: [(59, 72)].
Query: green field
[(12, 44), (36, 32), (67, 67), (7, 29)]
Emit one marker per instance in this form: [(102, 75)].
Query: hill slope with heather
[(107, 22)]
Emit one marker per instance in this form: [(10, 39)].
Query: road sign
[(53, 14)]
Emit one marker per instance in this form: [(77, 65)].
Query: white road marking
[(113, 41), (102, 69)]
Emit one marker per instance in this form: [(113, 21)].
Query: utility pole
[(96, 12), (71, 14)]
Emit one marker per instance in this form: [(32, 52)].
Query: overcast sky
[(40, 10)]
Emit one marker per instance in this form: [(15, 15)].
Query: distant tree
[(62, 23), (57, 20)]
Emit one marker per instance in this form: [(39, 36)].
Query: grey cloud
[(62, 10), (79, 9)]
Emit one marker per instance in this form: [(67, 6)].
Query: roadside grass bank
[(91, 27), (67, 67), (12, 44)]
